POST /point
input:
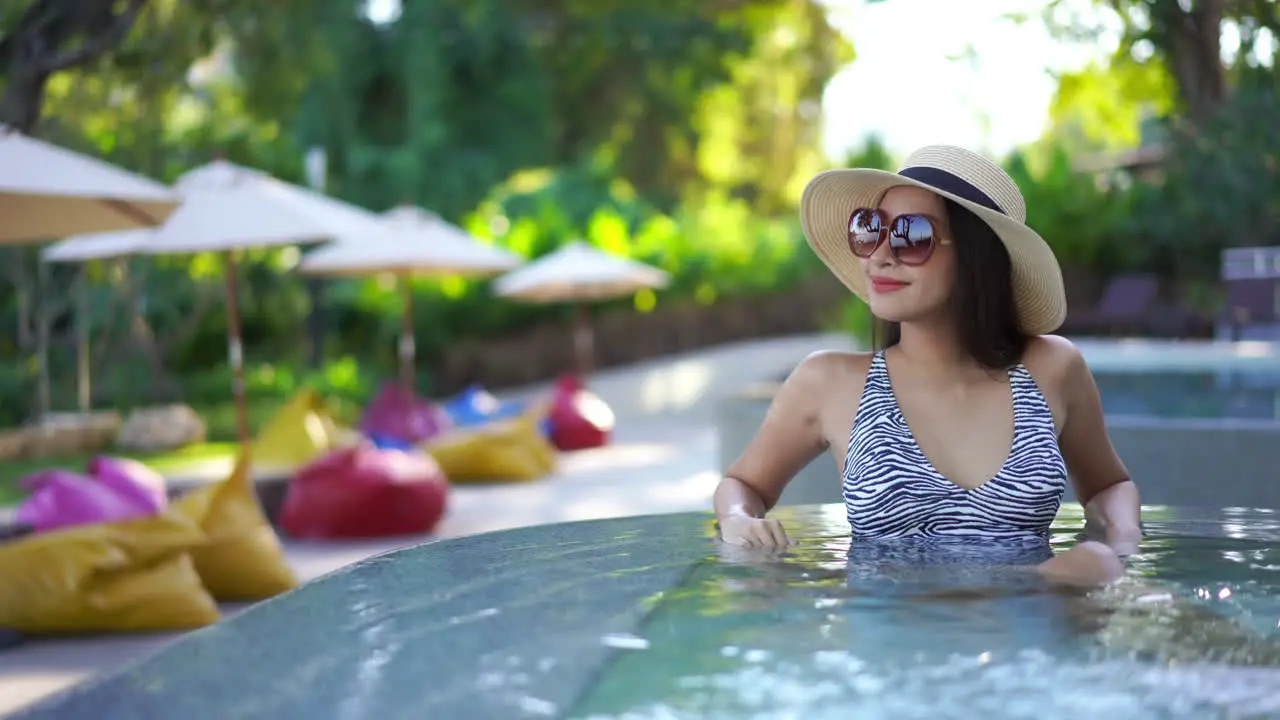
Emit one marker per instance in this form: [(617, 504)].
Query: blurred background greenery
[(676, 132)]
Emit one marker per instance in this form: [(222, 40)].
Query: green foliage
[(672, 96), (872, 154), (672, 131), (854, 318), (1220, 186), (1184, 38), (1079, 216), (676, 132), (1105, 107)]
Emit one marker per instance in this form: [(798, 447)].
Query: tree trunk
[(1192, 41), (23, 100)]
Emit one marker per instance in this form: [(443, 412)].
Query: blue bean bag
[(387, 442), (10, 638), (476, 406)]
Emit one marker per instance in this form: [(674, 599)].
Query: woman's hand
[(747, 531), (1090, 563), (1124, 539)]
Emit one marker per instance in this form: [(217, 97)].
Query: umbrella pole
[(44, 321), (235, 350), (583, 341), (406, 348), (84, 390)]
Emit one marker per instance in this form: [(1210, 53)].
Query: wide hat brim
[(831, 196)]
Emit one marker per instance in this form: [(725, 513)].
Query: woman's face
[(907, 293)]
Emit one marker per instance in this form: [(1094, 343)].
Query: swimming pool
[(648, 617), (1229, 394)]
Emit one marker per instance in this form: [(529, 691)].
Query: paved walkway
[(663, 459)]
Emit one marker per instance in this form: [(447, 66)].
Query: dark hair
[(981, 298)]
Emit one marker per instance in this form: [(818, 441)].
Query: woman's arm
[(1101, 481), (790, 436)]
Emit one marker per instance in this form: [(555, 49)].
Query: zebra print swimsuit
[(892, 490)]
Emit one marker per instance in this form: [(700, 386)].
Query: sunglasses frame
[(887, 224)]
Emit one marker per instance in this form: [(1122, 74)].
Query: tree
[(644, 105), (49, 36), (673, 97), (1185, 36), (158, 41), (1106, 107)]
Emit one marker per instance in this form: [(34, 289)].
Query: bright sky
[(991, 100)]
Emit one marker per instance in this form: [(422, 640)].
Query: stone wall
[(1196, 463)]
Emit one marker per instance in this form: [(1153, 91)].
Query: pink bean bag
[(396, 414), (62, 499), (365, 491), (131, 479)]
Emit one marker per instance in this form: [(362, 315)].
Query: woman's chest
[(966, 438)]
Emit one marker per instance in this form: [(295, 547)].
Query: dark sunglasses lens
[(911, 239), (865, 228)]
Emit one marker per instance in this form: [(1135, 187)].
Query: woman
[(968, 421)]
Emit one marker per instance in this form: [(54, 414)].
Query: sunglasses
[(911, 236)]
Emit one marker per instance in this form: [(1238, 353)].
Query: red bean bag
[(365, 491), (397, 414), (579, 418)]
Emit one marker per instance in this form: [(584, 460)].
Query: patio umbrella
[(83, 249), (409, 242), (580, 273), (227, 207), (49, 192)]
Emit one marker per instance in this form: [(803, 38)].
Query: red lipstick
[(886, 285)]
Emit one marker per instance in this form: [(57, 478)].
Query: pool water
[(834, 629), (1252, 394), (651, 617)]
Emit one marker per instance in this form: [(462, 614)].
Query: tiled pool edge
[(477, 621), (1191, 462)]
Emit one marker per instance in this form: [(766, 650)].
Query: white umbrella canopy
[(228, 207), (98, 246), (49, 192), (578, 272), (410, 240)]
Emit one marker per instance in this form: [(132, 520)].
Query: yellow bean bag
[(300, 431), (133, 576), (508, 450), (242, 559)]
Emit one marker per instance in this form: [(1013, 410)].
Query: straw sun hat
[(963, 176)]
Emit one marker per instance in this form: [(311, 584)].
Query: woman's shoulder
[(828, 384), (1053, 361), (828, 375), (827, 366)]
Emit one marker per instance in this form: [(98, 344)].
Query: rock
[(161, 428), (66, 434), (14, 443), (61, 435)]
